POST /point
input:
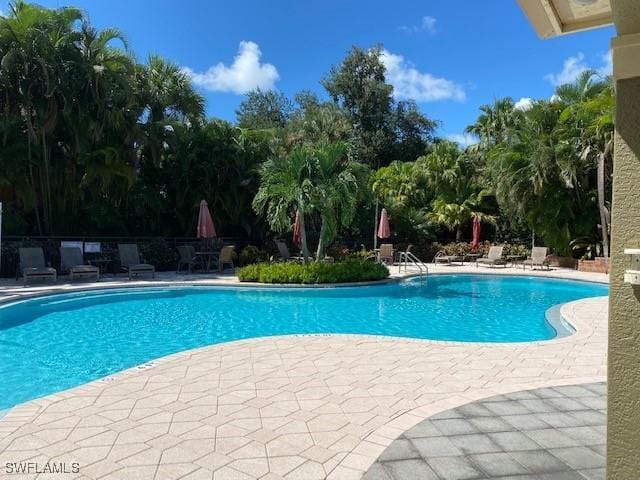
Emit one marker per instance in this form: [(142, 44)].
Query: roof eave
[(547, 23)]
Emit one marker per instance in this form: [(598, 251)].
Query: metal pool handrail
[(408, 257)]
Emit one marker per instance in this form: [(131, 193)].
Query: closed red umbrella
[(297, 234), (383, 227), (206, 230), (476, 232)]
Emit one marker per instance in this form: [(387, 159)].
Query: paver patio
[(553, 432), (297, 407)]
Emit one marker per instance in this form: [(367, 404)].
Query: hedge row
[(353, 270)]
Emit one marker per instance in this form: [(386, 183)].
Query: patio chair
[(130, 261), (538, 258), (226, 257), (386, 253), (285, 254), (32, 265), (188, 258), (493, 258), (71, 261)]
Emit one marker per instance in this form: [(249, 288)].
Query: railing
[(406, 258)]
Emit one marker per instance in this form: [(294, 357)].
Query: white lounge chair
[(493, 258), (538, 258)]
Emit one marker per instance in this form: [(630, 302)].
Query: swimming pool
[(55, 342)]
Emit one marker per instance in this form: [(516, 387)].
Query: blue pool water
[(52, 343)]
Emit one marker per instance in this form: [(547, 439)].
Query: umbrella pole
[(375, 228)]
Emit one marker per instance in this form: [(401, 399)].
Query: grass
[(352, 270)]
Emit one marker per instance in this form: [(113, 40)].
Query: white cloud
[(410, 83), (463, 139), (427, 24), (607, 65), (574, 66), (523, 104), (246, 73)]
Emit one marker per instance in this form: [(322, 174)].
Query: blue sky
[(451, 56)]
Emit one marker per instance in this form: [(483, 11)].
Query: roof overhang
[(557, 17)]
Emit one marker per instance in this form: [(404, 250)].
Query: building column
[(623, 419)]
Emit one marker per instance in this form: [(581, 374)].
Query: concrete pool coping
[(368, 369)]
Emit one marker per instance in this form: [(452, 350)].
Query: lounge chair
[(493, 258), (442, 257), (71, 261), (32, 265), (538, 258), (285, 254), (130, 261), (226, 257), (188, 258), (386, 254)]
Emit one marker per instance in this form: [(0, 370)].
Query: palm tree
[(170, 102), (34, 41), (538, 179), (495, 122), (586, 87), (336, 183), (285, 185), (588, 124), (455, 215), (398, 186)]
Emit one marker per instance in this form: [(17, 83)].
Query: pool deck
[(294, 407)]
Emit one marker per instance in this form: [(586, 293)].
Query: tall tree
[(264, 109), (358, 85)]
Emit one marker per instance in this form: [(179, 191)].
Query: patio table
[(515, 260), (207, 259), (472, 257), (101, 263)]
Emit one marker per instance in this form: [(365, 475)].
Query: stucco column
[(623, 422)]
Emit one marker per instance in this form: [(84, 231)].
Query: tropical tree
[(534, 180), (587, 126), (453, 177), (495, 122), (285, 186), (336, 183), (316, 122)]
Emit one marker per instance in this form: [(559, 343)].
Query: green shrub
[(317, 272)]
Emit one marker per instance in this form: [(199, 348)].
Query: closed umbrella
[(297, 231), (206, 230), (476, 233), (383, 227)]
